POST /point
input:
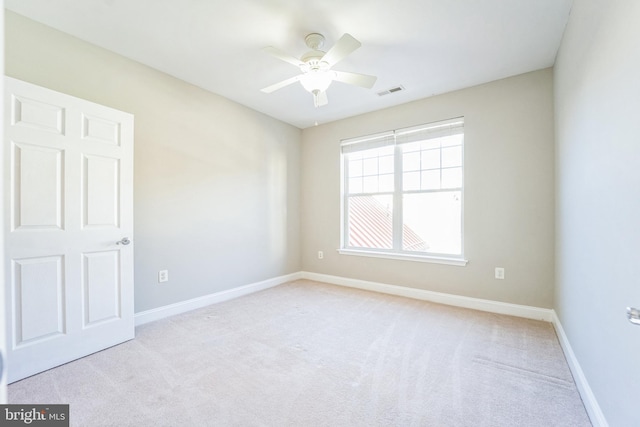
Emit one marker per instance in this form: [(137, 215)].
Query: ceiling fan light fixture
[(316, 81)]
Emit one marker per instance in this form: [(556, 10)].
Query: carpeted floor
[(311, 354)]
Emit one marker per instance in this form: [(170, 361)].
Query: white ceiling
[(427, 46)]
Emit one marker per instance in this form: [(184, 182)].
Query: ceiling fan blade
[(361, 80), (341, 49), (281, 84), (277, 53)]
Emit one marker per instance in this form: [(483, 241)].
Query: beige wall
[(508, 200), (216, 184), (597, 94)]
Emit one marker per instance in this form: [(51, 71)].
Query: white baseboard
[(442, 298), (203, 301), (456, 300), (588, 398)]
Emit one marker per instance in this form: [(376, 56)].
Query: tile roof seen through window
[(371, 225)]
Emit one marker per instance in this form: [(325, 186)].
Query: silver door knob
[(633, 314), (125, 241)]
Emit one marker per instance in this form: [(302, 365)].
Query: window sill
[(405, 257)]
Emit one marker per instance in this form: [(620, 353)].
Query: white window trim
[(457, 260), (404, 257)]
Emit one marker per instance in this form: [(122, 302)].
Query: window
[(403, 193)]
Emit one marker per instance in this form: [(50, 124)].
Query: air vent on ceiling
[(392, 90)]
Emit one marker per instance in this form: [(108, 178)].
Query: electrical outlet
[(320, 255), (163, 276), (499, 273)]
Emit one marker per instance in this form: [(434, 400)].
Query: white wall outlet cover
[(163, 276), (499, 273)]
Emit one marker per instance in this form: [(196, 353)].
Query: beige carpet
[(310, 354)]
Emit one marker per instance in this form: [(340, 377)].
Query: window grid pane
[(433, 159), (371, 171), (451, 156), (452, 178), (370, 167), (430, 180), (355, 168)]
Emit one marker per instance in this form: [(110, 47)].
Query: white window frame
[(397, 138)]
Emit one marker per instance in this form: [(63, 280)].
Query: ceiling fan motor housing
[(314, 40), (312, 61)]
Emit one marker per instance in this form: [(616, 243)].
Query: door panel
[(101, 176), (100, 130), (101, 287), (37, 196), (69, 164), (38, 299), (38, 115)]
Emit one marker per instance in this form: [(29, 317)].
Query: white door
[(68, 227)]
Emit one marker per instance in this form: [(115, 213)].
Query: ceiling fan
[(316, 65)]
